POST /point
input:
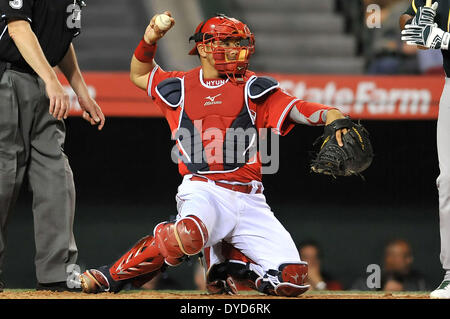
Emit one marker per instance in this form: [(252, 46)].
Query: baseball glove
[(352, 158)]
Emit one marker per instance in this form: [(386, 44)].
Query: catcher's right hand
[(352, 158), (152, 33)]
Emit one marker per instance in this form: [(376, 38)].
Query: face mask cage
[(231, 53)]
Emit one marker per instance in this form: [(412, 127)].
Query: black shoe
[(56, 287)]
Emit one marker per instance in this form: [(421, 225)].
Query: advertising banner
[(361, 97)]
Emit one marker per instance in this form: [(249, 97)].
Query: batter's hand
[(152, 33), (429, 36), (334, 115), (425, 15), (92, 111), (59, 99)]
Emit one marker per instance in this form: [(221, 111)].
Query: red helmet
[(221, 28)]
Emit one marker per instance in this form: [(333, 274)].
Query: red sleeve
[(156, 76), (310, 113), (274, 112)]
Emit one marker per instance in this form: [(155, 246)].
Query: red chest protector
[(216, 131)]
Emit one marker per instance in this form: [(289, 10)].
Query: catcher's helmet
[(220, 28)]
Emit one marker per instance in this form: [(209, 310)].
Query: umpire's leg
[(443, 181), (12, 154), (52, 184)]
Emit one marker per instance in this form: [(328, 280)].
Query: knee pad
[(167, 243), (191, 235), (289, 280), (187, 236)]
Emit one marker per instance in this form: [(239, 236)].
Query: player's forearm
[(310, 113), (71, 70), (142, 63), (28, 45), (140, 69)]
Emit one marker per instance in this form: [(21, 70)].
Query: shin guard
[(143, 258), (288, 280)]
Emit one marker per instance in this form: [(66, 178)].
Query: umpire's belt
[(252, 188), (10, 66)]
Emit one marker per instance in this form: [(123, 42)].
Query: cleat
[(94, 281), (441, 292)]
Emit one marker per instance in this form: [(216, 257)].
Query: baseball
[(163, 22)]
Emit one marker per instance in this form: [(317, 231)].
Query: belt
[(10, 66), (247, 189)]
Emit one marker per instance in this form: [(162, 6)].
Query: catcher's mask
[(215, 34)]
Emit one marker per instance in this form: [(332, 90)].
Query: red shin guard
[(288, 281), (143, 258), (293, 277)]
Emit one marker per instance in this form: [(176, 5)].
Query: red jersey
[(218, 103)]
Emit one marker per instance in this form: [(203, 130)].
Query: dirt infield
[(148, 294)]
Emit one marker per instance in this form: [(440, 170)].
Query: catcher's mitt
[(352, 158)]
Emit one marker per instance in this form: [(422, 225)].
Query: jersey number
[(16, 4)]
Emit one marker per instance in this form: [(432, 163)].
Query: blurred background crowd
[(293, 36), (340, 226)]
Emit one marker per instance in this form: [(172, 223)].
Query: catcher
[(221, 207)]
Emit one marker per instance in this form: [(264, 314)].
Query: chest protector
[(216, 129)]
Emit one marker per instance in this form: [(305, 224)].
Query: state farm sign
[(367, 98), (370, 97), (361, 97)]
